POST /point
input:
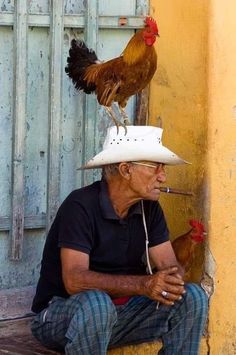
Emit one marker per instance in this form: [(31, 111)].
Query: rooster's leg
[(124, 115), (116, 122)]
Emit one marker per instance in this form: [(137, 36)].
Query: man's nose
[(161, 175)]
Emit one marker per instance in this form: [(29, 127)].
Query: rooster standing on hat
[(119, 78)]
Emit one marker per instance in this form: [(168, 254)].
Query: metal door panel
[(117, 8), (47, 128), (36, 143), (74, 7), (6, 112), (38, 6), (17, 274), (6, 5), (72, 132)]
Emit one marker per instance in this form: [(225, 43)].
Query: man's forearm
[(114, 285), (151, 286)]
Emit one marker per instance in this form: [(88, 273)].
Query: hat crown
[(139, 143), (135, 134)]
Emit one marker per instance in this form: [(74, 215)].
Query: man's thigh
[(64, 317), (139, 320)]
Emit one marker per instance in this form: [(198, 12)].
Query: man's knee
[(196, 298)]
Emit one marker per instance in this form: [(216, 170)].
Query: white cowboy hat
[(140, 143)]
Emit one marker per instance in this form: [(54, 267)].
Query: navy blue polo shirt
[(86, 221)]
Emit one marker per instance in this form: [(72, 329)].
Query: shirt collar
[(106, 205)]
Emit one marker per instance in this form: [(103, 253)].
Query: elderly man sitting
[(94, 292)]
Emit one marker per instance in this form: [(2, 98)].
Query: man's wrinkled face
[(146, 179)]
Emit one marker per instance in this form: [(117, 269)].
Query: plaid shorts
[(89, 323)]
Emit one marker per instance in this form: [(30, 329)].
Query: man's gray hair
[(110, 170)]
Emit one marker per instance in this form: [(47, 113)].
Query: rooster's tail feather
[(80, 58)]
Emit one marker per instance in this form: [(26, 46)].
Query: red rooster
[(185, 245), (119, 78)]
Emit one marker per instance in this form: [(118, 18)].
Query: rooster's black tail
[(80, 57)]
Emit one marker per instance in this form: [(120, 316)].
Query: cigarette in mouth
[(170, 190)]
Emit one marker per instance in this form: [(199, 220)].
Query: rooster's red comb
[(197, 225), (198, 232), (150, 22)]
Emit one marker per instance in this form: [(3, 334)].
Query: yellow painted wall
[(178, 96), (221, 165), (194, 92)]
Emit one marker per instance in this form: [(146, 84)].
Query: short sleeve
[(157, 228), (75, 230)]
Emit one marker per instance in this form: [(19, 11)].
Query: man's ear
[(124, 169)]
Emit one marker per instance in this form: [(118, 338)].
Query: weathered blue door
[(47, 129)]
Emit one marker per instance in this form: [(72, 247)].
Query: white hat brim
[(151, 152)]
